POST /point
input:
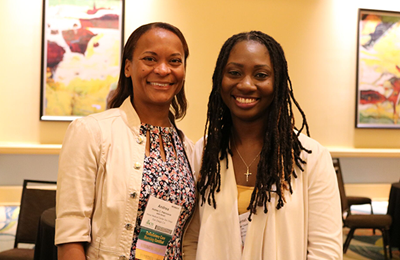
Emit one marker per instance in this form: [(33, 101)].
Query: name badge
[(156, 230), (244, 223)]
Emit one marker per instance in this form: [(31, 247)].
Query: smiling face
[(157, 69), (248, 80)]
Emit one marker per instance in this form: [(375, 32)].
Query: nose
[(162, 69), (246, 84)]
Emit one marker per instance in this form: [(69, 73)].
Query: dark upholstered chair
[(381, 222), (35, 199)]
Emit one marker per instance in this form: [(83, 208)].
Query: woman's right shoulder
[(92, 127), (93, 121)]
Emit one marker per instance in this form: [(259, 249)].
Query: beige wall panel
[(318, 36)]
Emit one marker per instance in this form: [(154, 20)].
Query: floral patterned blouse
[(170, 180)]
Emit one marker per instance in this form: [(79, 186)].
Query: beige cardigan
[(309, 225), (99, 181)]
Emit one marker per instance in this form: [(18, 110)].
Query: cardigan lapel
[(220, 233)]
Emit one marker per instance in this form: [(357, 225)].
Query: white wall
[(14, 168)]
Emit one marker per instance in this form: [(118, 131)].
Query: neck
[(249, 133), (154, 115), (247, 140)]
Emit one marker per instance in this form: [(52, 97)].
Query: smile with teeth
[(245, 100), (160, 84)]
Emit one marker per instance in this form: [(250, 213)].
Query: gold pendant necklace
[(247, 173)]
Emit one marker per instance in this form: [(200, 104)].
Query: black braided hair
[(281, 149)]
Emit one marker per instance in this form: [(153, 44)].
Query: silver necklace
[(247, 173)]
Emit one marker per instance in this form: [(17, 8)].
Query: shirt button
[(122, 257), (137, 165), (140, 139), (133, 195), (128, 226)]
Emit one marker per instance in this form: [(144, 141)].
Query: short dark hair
[(125, 88), (281, 149)]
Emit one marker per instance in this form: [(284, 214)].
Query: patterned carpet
[(366, 245)]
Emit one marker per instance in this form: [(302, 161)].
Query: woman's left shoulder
[(318, 159), (318, 155), (312, 144)]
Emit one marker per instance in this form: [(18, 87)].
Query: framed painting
[(378, 69), (82, 42)]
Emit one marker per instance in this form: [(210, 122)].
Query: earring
[(126, 75)]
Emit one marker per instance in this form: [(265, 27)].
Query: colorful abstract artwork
[(378, 69), (82, 43)]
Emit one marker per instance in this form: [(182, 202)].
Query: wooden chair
[(35, 199), (381, 222)]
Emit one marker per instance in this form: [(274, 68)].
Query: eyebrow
[(241, 65), (154, 53), (150, 52)]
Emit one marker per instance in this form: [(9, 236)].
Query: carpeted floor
[(366, 245)]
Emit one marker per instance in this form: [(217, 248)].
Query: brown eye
[(261, 75), (176, 62), (149, 59), (234, 73)]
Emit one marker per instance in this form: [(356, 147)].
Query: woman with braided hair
[(266, 190)]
